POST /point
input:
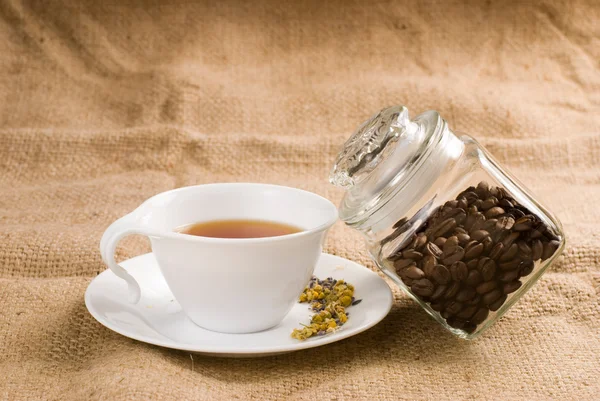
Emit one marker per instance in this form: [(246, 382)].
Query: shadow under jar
[(441, 218)]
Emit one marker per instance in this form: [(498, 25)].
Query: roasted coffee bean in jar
[(451, 227)]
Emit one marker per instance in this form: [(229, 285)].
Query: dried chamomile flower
[(329, 298)]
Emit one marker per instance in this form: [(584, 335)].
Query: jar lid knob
[(367, 147)]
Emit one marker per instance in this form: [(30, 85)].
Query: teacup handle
[(118, 230)]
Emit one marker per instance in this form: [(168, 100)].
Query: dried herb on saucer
[(329, 298)]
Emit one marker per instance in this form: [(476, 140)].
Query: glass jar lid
[(380, 158)]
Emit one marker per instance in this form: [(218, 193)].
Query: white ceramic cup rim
[(180, 236)]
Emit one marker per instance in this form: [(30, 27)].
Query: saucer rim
[(216, 351)]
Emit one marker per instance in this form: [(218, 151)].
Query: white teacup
[(228, 285)]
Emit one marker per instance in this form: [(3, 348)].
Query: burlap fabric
[(104, 104)]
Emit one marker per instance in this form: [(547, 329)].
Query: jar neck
[(440, 150)]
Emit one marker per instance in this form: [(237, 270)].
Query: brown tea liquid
[(238, 229)]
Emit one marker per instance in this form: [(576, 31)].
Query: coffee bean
[(536, 249), (511, 286), (406, 280), (460, 217), (498, 303), (480, 316), (450, 245), (493, 212), (549, 249), (509, 254), (470, 220), (459, 271), (509, 275), (522, 208), (496, 251), (440, 242), (475, 300), (487, 267), (412, 254), (428, 270), (483, 189), (479, 222), (479, 235), (516, 213), (441, 275), (403, 263), (473, 251), (413, 272), (525, 268), (471, 243), (462, 194), (474, 278), (463, 238), (451, 203), (502, 193), (452, 290), (453, 307), (459, 230), (506, 204), (439, 292), (485, 287), (490, 297), (470, 197), (524, 223), (490, 225), (471, 212), (444, 211), (477, 204), (443, 227), (488, 243), (467, 312), (501, 235), (481, 261), (433, 250), (458, 254), (494, 191), (420, 241), (524, 249), (510, 265), (489, 203), (505, 223), (422, 287), (456, 323), (463, 204), (427, 264), (472, 264), (445, 314), (465, 294), (469, 327), (508, 241), (437, 306)]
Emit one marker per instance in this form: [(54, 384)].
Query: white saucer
[(158, 318)]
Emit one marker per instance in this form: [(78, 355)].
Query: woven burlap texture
[(104, 104)]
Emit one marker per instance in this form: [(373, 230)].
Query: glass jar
[(450, 226)]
